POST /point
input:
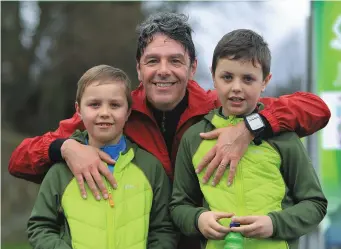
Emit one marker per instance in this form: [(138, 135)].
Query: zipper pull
[(111, 201), (163, 122)]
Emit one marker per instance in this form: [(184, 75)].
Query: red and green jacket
[(136, 215), (276, 178)]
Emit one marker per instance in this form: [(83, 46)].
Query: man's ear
[(193, 68), (138, 70), (266, 81)]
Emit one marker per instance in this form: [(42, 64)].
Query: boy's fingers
[(212, 234), (222, 215), (244, 229), (80, 180), (245, 220)]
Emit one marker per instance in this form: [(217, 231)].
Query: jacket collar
[(196, 97)]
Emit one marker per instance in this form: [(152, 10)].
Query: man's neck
[(168, 120)]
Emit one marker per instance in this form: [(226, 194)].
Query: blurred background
[(47, 46)]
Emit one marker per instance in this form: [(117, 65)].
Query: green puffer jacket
[(275, 178), (135, 217)]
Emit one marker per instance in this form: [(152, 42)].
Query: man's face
[(164, 69)]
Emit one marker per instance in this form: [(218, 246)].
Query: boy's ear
[(128, 114), (78, 110), (212, 75), (266, 81)]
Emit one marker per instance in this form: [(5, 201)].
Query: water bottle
[(234, 240)]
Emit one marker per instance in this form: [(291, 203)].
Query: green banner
[(327, 73)]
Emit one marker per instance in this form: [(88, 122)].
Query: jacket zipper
[(110, 217)]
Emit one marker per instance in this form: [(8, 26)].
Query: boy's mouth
[(236, 99), (104, 124)]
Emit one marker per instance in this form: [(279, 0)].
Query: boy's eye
[(115, 105), (94, 104), (227, 77), (248, 79)]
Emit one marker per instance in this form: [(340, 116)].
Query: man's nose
[(164, 70)]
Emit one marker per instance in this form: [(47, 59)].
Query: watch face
[(255, 122)]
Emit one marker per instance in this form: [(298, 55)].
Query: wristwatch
[(256, 126)]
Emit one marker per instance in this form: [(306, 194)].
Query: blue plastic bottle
[(234, 240)]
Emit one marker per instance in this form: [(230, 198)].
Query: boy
[(136, 214), (276, 192)]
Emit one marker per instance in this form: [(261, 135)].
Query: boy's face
[(164, 69), (239, 85), (104, 111)]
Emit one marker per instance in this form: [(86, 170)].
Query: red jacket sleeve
[(30, 160), (302, 112)]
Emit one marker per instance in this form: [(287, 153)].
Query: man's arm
[(45, 223), (301, 112), (31, 160)]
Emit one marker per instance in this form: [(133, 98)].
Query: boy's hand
[(209, 226), (254, 226), (231, 145), (87, 162)]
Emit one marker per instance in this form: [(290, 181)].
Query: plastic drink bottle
[(234, 240)]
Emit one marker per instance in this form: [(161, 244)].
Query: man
[(165, 105)]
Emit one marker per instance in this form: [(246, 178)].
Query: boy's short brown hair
[(103, 74)]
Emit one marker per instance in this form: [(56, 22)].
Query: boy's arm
[(162, 233), (304, 187), (301, 112), (30, 160), (45, 223), (187, 198)]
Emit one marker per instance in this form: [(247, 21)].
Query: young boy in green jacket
[(136, 215), (276, 194)]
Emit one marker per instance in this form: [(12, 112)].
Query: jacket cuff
[(274, 225), (267, 132), (196, 220), (54, 152), (271, 120)]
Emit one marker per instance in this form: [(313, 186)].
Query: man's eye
[(152, 61), (94, 105)]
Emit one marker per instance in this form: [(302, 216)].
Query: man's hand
[(231, 145), (209, 226), (254, 226), (86, 162)]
